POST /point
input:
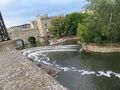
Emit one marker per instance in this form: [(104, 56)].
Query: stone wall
[(19, 73), (24, 34), (7, 45), (106, 48), (38, 29), (43, 25)]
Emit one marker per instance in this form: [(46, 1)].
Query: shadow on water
[(37, 44)]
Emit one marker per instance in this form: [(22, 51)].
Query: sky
[(16, 12)]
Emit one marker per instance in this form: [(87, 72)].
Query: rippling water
[(94, 71), (83, 71)]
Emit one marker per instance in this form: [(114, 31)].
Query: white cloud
[(25, 2), (19, 11), (14, 21), (62, 2), (55, 2), (4, 2)]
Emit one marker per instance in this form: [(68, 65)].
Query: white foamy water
[(107, 73), (42, 58), (87, 72), (117, 74)]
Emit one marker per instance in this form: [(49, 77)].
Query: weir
[(39, 56), (73, 65), (53, 48)]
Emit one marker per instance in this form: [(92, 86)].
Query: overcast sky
[(16, 12)]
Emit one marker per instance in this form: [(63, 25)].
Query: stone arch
[(32, 41), (32, 37)]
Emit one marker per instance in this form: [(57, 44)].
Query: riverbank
[(55, 41), (17, 72), (103, 48)]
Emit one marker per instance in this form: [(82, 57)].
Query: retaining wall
[(105, 48)]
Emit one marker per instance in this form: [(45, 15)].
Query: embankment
[(17, 72), (7, 45), (103, 48)]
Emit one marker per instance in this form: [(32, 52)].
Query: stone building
[(33, 24), (43, 23)]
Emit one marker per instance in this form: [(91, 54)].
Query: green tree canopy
[(67, 26), (71, 22), (104, 24), (57, 26), (82, 33)]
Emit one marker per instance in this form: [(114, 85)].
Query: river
[(88, 71), (81, 71)]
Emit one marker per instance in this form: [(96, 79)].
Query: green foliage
[(57, 28), (104, 24), (82, 33), (101, 22), (67, 26), (71, 22)]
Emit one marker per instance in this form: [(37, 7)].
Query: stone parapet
[(19, 73), (7, 45)]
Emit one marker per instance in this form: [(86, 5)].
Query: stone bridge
[(37, 30), (24, 34)]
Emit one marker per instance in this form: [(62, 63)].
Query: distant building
[(20, 27)]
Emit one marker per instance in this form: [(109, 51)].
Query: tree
[(67, 26), (82, 33), (57, 26), (71, 22), (104, 24)]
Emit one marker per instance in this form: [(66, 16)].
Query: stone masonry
[(24, 34), (19, 73), (39, 29)]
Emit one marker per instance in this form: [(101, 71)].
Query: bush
[(97, 40), (82, 33)]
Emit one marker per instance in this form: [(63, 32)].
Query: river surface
[(80, 71), (88, 71)]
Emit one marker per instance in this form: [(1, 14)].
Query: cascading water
[(41, 55)]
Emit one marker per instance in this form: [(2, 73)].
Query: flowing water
[(82, 71), (90, 72)]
